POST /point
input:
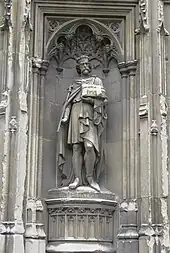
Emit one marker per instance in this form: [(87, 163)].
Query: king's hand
[(66, 116), (64, 120)]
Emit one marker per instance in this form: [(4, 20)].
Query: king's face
[(85, 68)]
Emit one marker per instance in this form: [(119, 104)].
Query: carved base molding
[(80, 220)]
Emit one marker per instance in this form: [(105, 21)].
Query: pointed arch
[(98, 29)]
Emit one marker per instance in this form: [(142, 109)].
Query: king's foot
[(93, 184), (75, 184)]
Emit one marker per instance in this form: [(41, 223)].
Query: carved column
[(33, 128), (14, 111), (6, 83), (145, 114), (34, 235), (44, 67), (133, 130), (124, 74), (153, 130), (128, 235), (159, 131), (4, 167)]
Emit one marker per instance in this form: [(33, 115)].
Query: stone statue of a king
[(81, 126)]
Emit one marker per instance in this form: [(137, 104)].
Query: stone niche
[(101, 43), (82, 220)]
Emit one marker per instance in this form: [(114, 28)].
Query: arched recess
[(102, 35), (70, 40)]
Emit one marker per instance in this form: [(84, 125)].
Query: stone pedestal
[(80, 220)]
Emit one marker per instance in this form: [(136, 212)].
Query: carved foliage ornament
[(79, 210), (27, 18), (4, 102), (73, 43), (116, 27), (154, 128), (161, 26), (13, 124), (143, 11), (7, 15), (53, 23)]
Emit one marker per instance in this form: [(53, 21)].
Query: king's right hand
[(64, 120)]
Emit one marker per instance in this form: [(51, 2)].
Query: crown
[(82, 58)]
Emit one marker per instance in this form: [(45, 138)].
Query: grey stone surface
[(137, 133)]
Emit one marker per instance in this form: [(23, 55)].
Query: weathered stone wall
[(137, 136), (14, 83)]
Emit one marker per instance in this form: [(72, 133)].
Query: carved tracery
[(83, 39)]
